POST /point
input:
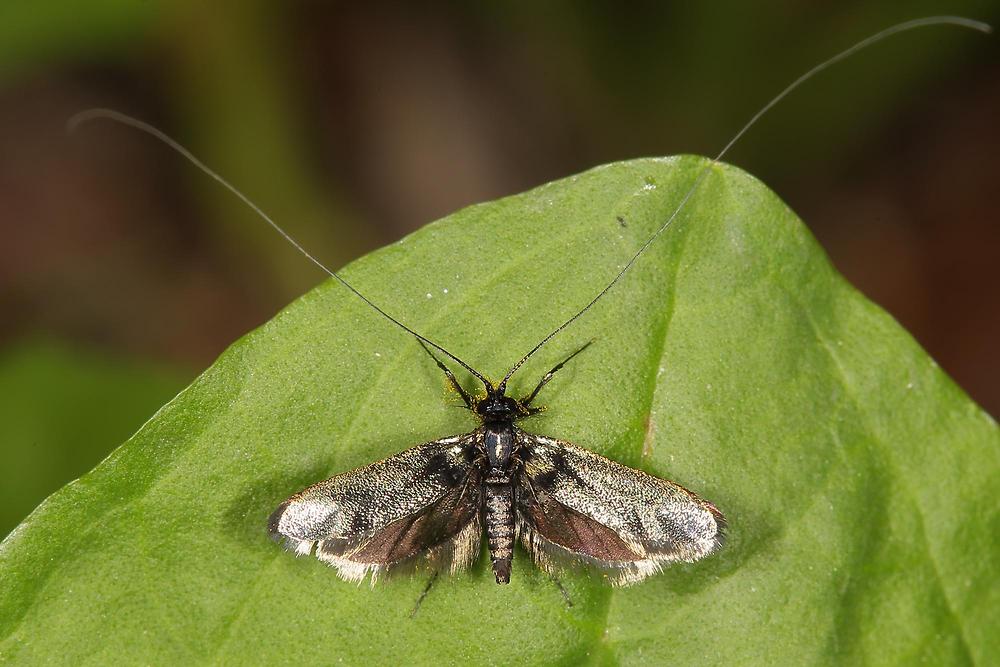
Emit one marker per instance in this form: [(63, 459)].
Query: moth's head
[(497, 407)]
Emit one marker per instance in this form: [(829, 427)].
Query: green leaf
[(63, 410), (858, 480)]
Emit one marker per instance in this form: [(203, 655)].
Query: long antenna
[(118, 117), (877, 37)]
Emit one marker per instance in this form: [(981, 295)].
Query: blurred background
[(124, 271)]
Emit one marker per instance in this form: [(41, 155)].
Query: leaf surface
[(63, 410), (858, 480)]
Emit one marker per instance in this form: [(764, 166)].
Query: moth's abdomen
[(498, 519)]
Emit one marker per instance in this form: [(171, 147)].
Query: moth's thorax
[(498, 441)]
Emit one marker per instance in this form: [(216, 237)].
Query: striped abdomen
[(499, 521)]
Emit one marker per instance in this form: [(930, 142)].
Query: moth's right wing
[(424, 501), (575, 505)]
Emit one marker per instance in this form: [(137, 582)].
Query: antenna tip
[(961, 21), (981, 26), (87, 115)]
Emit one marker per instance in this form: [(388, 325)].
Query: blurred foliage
[(40, 35), (62, 411), (598, 83), (733, 359)]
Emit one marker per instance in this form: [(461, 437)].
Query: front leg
[(451, 376), (548, 376)]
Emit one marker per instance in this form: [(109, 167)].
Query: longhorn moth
[(434, 502)]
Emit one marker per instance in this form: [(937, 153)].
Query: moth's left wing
[(421, 503), (577, 505)]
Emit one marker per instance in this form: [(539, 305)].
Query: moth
[(563, 503), (436, 501)]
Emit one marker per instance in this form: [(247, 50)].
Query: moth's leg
[(427, 589), (451, 376), (531, 487), (548, 376), (565, 593)]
